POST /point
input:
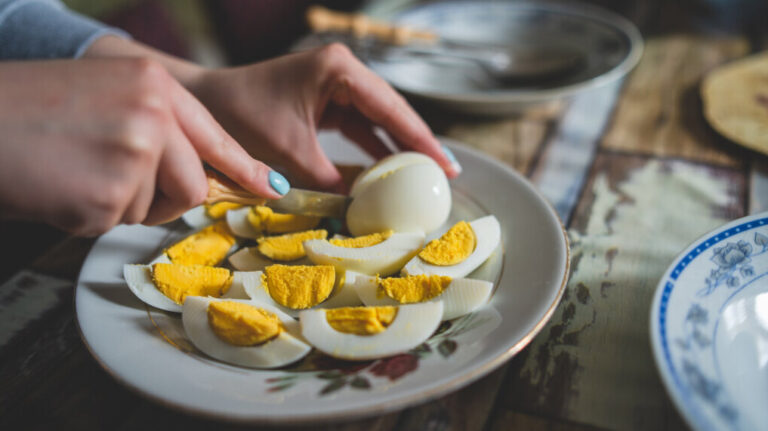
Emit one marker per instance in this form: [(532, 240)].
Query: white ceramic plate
[(709, 328), (147, 350), (609, 45)]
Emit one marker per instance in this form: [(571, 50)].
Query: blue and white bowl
[(709, 328)]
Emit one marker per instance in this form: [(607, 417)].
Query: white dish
[(709, 327), (146, 349), (609, 44)]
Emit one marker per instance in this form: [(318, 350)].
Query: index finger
[(355, 84)]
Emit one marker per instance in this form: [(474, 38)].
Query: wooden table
[(635, 173)]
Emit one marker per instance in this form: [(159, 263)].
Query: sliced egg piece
[(254, 222), (141, 281), (412, 325), (384, 258), (204, 215), (459, 296), (487, 233), (300, 289), (208, 246), (289, 246), (249, 259), (233, 331)]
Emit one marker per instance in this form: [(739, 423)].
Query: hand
[(274, 108), (89, 144)]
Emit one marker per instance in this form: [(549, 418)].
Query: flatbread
[(735, 100)]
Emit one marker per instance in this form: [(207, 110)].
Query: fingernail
[(454, 162), (279, 183)]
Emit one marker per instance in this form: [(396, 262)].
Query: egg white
[(387, 165), (284, 349), (413, 324), (488, 235), (460, 297), (250, 259), (411, 198), (197, 217), (342, 295), (139, 279), (238, 223), (384, 258)]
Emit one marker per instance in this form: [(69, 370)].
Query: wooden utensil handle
[(321, 19), (222, 189)]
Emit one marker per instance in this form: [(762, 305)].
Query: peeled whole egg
[(412, 325), (285, 348), (404, 192)]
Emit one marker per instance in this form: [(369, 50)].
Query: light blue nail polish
[(449, 154), (452, 158), (279, 183)]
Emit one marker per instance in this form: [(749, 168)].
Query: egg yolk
[(451, 248), (414, 288), (179, 281), (299, 287), (362, 241), (361, 320), (206, 247), (219, 209), (242, 324), (288, 247), (263, 219)]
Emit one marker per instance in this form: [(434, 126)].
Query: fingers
[(311, 165), (354, 84), (181, 183), (359, 130), (216, 147)]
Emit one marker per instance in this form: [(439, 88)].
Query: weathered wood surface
[(659, 113), (657, 178)]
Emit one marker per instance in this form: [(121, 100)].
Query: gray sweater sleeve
[(40, 29)]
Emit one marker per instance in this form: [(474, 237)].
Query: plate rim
[(589, 11), (456, 383), (660, 346)]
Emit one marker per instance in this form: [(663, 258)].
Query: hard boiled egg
[(243, 332), (208, 246), (358, 333), (459, 295), (403, 192), (379, 253), (449, 255), (204, 215), (148, 282), (255, 222), (291, 289)]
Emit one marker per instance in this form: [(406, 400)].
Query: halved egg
[(284, 249), (204, 215), (208, 246), (381, 253), (243, 332), (452, 253), (255, 222), (459, 296), (358, 333), (166, 286), (294, 288)]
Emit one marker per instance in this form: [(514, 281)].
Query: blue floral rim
[(669, 285)]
